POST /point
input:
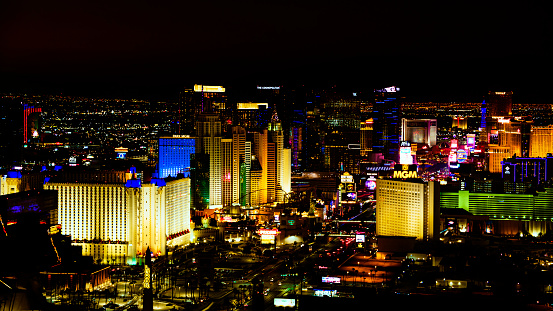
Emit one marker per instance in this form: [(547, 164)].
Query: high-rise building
[(253, 116), (277, 137), (421, 131), (11, 128), (31, 123), (407, 208), (226, 171), (296, 144), (192, 102), (256, 185), (199, 175), (509, 133), (271, 173), (238, 158), (366, 137), (386, 126), (342, 150), (499, 104), (541, 141), (174, 155), (245, 175), (260, 149), (496, 154), (208, 132)]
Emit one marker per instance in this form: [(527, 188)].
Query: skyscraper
[(420, 131), (296, 144), (499, 104), (226, 171), (260, 151), (208, 131), (31, 122), (238, 158), (386, 122), (174, 155), (275, 132), (366, 137), (192, 102)]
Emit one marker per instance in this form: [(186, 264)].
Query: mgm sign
[(405, 171)]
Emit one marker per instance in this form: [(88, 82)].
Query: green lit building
[(537, 206)]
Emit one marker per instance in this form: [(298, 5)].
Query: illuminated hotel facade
[(496, 154), (115, 223), (541, 141), (407, 208), (537, 206)]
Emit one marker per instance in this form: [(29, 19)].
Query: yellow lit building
[(541, 141), (366, 138), (496, 154), (115, 223), (10, 183), (407, 208), (256, 189)]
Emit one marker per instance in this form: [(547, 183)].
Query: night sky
[(155, 48)]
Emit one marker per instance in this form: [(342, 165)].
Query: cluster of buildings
[(344, 152)]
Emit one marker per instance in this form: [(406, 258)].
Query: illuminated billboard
[(208, 88), (405, 156), (405, 171), (325, 292), (285, 302), (272, 232), (331, 279), (461, 155), (346, 178), (453, 156), (370, 183), (252, 105), (268, 236), (391, 89), (359, 238)]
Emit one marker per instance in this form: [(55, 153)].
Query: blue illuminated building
[(174, 155)]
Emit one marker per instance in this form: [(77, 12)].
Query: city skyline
[(252, 155)]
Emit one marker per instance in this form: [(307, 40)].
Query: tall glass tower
[(386, 126)]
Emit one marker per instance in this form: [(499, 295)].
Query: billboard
[(285, 302), (370, 183), (331, 279), (405, 156), (325, 292), (405, 171), (208, 88), (471, 140), (461, 155)]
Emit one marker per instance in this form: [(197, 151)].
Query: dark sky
[(154, 48)]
